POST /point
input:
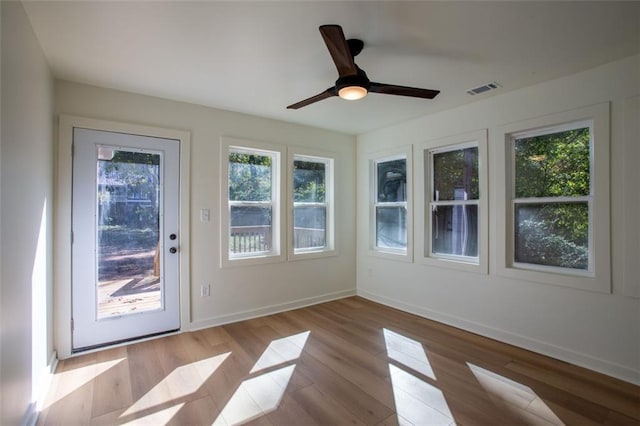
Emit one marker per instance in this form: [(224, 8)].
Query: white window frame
[(515, 201), (277, 153), (402, 153), (424, 186), (328, 159), (598, 276)]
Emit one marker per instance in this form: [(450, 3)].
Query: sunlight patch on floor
[(257, 396), (513, 395), (280, 351), (418, 401), (408, 352), (181, 382), (157, 417), (66, 382), (263, 393)]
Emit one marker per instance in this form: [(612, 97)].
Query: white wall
[(240, 292), (26, 194), (600, 331)]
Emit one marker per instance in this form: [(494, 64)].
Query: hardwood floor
[(350, 361)]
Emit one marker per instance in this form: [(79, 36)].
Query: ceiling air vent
[(483, 88)]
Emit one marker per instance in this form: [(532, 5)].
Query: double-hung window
[(455, 197), (390, 208), (312, 205), (251, 211), (455, 209), (555, 219), (551, 197)]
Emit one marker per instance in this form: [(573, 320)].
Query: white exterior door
[(125, 251)]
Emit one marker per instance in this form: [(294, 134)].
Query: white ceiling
[(259, 57)]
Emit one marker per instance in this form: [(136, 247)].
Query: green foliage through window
[(309, 181), (456, 172), (553, 165), (249, 177)]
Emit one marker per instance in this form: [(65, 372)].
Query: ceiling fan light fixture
[(352, 93), (353, 83)]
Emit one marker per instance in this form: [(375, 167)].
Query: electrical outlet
[(204, 290)]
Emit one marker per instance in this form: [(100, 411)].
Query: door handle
[(173, 250)]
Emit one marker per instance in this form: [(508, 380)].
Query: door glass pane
[(128, 224), (552, 234)]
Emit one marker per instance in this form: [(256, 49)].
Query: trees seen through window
[(552, 195)]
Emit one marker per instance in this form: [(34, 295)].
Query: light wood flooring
[(350, 361)]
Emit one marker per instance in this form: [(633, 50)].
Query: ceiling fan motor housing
[(353, 83), (359, 79)]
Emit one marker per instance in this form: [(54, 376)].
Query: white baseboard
[(611, 369), (268, 310), (30, 417)]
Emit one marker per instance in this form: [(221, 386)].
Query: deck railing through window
[(250, 239), (307, 238), (254, 239)]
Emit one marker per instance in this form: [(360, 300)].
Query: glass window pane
[(250, 229), (127, 232), (392, 181), (552, 234), (309, 228), (249, 177), (455, 175), (308, 181), (553, 165), (454, 230), (391, 227)]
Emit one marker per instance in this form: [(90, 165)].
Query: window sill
[(580, 280), (397, 255), (252, 260), (455, 264), (309, 255)]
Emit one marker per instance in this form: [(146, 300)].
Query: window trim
[(328, 158), (424, 183), (399, 153), (514, 201), (598, 278), (277, 253)]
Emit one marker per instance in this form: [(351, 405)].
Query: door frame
[(63, 220)]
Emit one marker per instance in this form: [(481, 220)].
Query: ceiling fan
[(352, 82)]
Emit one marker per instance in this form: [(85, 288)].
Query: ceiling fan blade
[(331, 91), (392, 89), (339, 49)]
